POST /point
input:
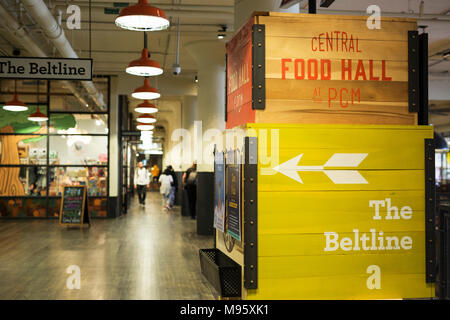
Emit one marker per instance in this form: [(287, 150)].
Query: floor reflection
[(148, 254)]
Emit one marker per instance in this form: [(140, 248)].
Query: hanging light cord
[(146, 43), (178, 42)]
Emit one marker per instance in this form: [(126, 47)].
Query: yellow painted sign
[(341, 212)]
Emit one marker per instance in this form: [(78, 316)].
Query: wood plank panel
[(389, 180), (331, 90), (395, 29), (312, 105), (310, 136), (407, 158), (397, 70), (313, 244), (342, 265), (333, 117), (300, 47), (398, 286), (311, 212)]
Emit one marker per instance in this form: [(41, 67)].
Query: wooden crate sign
[(341, 212), (325, 69)]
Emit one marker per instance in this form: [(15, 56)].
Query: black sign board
[(74, 206)]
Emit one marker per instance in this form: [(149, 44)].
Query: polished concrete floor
[(147, 254)]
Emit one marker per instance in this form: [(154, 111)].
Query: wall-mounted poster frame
[(219, 191), (233, 195)]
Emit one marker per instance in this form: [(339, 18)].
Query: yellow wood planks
[(323, 237)]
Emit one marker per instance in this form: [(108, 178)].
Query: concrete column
[(189, 114), (210, 59), (244, 8), (114, 205)]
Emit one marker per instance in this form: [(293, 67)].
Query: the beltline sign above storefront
[(46, 68)]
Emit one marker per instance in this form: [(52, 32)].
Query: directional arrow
[(291, 168)]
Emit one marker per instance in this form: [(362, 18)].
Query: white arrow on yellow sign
[(291, 168)]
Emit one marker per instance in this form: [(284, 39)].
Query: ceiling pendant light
[(37, 116), (15, 104), (146, 107), (144, 66), (145, 126), (146, 118), (142, 17), (146, 92)]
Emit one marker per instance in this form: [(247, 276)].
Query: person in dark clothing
[(174, 188), (190, 185)]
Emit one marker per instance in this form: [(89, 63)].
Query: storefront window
[(37, 159), (79, 150), (68, 123), (95, 178), (23, 149), (23, 181)]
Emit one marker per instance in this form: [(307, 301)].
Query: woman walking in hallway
[(165, 185)]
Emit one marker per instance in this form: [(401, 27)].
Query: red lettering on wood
[(371, 77), (314, 76), (341, 100), (347, 69), (360, 71), (312, 44), (297, 75), (356, 93), (325, 64), (329, 96), (284, 68), (344, 41), (383, 72)]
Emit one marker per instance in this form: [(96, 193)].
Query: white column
[(114, 140), (210, 59), (243, 9)]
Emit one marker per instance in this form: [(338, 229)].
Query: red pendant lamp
[(142, 17), (146, 118), (146, 107), (144, 66), (15, 104), (37, 116), (145, 126), (146, 92)]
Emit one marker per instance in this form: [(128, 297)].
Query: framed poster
[(233, 221), (219, 191)]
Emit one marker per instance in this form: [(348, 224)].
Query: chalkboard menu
[(74, 206)]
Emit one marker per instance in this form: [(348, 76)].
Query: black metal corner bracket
[(251, 214), (430, 211), (423, 76), (413, 71), (258, 67)]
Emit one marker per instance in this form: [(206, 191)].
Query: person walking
[(165, 185), (141, 182), (174, 187), (190, 185), (155, 173)]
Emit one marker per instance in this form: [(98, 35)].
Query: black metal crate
[(222, 272)]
